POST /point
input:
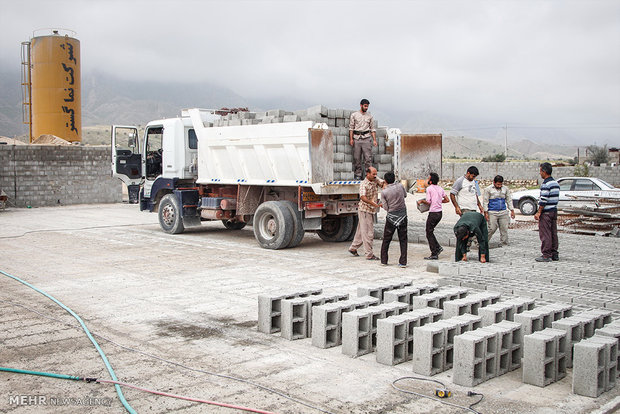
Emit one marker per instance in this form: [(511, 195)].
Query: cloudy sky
[(554, 62)]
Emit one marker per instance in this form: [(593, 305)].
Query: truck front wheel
[(273, 225), (336, 229), (169, 213)]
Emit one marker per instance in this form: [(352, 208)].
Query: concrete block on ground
[(532, 321), (428, 349), (326, 325), (612, 331), (543, 361), (601, 317), (521, 304), (574, 333), (294, 318), (469, 359), (591, 370), (270, 308), (356, 332), (496, 313), (392, 340)]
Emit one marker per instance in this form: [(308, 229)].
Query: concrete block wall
[(525, 171), (50, 175), (595, 366), (338, 122)]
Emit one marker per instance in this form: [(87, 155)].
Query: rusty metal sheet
[(321, 155), (249, 197), (420, 154)]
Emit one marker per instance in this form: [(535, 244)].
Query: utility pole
[(506, 142)]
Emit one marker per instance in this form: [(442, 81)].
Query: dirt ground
[(177, 313)]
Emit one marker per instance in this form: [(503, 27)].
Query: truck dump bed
[(282, 154)]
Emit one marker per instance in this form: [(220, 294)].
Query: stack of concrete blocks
[(395, 334), (378, 290), (505, 310), (338, 122), (469, 304), (270, 308), (296, 321), (327, 320), (359, 328), (595, 368), (544, 357), (613, 331)]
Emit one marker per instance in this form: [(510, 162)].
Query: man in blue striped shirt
[(547, 215)]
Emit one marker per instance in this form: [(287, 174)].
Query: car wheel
[(528, 207)]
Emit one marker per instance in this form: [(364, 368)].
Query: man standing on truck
[(369, 204), (361, 128), (393, 198)]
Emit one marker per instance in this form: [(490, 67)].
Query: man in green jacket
[(471, 223)]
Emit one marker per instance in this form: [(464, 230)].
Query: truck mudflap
[(189, 201)]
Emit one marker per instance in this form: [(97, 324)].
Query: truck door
[(127, 159)]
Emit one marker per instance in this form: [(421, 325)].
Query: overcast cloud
[(532, 62)]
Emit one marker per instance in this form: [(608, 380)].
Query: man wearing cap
[(361, 129)]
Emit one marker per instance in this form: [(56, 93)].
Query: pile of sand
[(10, 141), (48, 139)]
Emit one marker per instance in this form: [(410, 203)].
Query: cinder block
[(588, 323), (611, 358), (392, 340), (356, 331), (428, 349), (270, 309), (532, 321), (326, 325), (600, 317), (496, 313), (469, 359), (544, 357), (574, 333), (468, 322), (294, 318), (516, 348), (612, 331), (590, 376), (557, 311), (562, 345)]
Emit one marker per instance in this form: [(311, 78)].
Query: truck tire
[(233, 225), (354, 228), (336, 229), (273, 225), (528, 207), (169, 213), (298, 226)]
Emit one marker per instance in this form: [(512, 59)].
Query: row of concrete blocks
[(487, 352), (415, 299), (332, 322), (380, 290)]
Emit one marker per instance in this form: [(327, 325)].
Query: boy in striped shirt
[(547, 215)]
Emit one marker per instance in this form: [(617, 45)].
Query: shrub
[(494, 158)]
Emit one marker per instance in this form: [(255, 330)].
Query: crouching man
[(471, 223)]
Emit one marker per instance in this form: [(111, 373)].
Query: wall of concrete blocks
[(48, 175), (338, 122), (525, 171)]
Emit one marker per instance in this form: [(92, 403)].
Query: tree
[(494, 158), (598, 155)]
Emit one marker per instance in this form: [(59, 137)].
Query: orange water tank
[(55, 86)]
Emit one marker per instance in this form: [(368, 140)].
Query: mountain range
[(110, 100)]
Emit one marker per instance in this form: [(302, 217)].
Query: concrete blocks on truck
[(595, 366), (544, 357), (270, 308)]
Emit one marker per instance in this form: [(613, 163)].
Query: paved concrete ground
[(192, 299)]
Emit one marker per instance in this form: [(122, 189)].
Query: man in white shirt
[(465, 191)]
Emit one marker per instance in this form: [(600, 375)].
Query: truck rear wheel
[(336, 229), (273, 225), (169, 213), (233, 225), (298, 227)]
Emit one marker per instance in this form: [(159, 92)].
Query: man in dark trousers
[(471, 223), (393, 201), (361, 129), (547, 215)]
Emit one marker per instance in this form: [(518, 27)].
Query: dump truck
[(277, 177)]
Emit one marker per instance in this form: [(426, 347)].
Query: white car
[(527, 201)]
